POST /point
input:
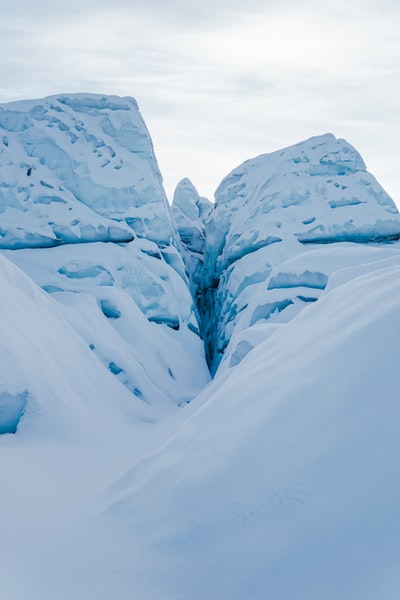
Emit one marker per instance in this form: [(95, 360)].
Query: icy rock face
[(277, 207), (78, 168), (190, 212), (76, 173), (12, 408)]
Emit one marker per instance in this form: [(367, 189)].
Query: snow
[(278, 206), (132, 309), (48, 372), (285, 482), (12, 407), (190, 212), (76, 168), (125, 471)]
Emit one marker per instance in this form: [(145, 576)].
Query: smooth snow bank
[(78, 168), (285, 483)]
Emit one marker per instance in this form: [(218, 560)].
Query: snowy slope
[(133, 310), (48, 373), (80, 427), (285, 483)]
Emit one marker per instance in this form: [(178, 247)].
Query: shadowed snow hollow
[(48, 373)]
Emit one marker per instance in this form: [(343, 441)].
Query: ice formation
[(304, 199), (84, 214), (126, 472), (190, 212), (76, 168)]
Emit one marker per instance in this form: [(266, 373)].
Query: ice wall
[(78, 168), (83, 212), (279, 207)]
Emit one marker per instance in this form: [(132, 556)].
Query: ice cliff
[(78, 168), (83, 212), (301, 204)]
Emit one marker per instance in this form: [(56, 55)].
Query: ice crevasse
[(281, 224), (84, 214), (127, 471)]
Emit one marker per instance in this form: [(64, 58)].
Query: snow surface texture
[(275, 207), (285, 483), (279, 479), (133, 310), (78, 168)]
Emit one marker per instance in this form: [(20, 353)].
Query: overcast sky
[(220, 81)]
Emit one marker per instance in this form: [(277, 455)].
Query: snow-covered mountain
[(128, 473)]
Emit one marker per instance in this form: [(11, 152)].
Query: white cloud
[(217, 85)]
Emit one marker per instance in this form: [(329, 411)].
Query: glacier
[(97, 234), (76, 168), (280, 206), (196, 401)]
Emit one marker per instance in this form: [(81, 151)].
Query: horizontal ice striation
[(78, 168), (190, 212), (318, 190), (280, 207), (309, 279)]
